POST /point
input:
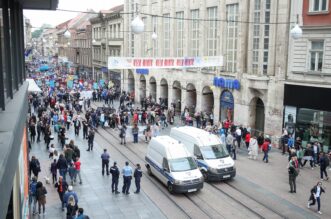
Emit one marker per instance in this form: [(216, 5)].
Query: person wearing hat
[(137, 177), (127, 177), (68, 194), (115, 173)]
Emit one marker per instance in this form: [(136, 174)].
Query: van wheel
[(170, 188), (205, 175)]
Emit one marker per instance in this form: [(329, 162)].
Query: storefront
[(307, 113)]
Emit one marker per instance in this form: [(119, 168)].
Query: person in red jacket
[(247, 139), (265, 149)]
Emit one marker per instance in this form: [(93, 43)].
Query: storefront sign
[(142, 71), (104, 69), (226, 83), (169, 62)]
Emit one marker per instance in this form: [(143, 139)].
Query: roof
[(203, 137), (172, 147)]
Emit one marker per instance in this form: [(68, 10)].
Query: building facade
[(248, 34), (309, 73), (107, 34)]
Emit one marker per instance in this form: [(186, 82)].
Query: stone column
[(216, 111), (170, 94)]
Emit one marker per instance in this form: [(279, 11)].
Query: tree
[(39, 31)]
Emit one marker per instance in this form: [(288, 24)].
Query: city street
[(259, 190)]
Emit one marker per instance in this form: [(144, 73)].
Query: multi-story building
[(308, 83), (251, 37), (14, 161), (62, 41), (48, 42), (107, 34)]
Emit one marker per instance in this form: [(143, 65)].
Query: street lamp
[(296, 31), (67, 34), (154, 35), (137, 25), (94, 41)]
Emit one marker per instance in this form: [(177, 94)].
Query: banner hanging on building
[(168, 62)]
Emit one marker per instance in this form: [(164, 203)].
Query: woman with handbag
[(41, 197)]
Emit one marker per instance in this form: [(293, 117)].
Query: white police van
[(173, 165), (212, 157)]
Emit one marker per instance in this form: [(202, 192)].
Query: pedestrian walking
[(33, 194), (85, 129), (41, 197), (292, 173), (77, 165), (248, 139), (54, 171), (229, 142), (135, 131), (315, 196), (62, 166), (148, 133), (90, 140), (308, 155), (324, 163), (76, 126), (72, 208), (238, 136), (115, 176), (127, 177), (38, 131), (265, 149), (32, 129), (123, 134), (34, 166), (105, 161), (81, 215), (68, 194), (62, 187), (137, 177)]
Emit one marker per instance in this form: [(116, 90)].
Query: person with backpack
[(41, 197), (72, 208), (315, 196), (135, 131), (81, 215), (90, 140), (34, 166), (324, 163), (123, 134), (62, 187), (33, 195), (265, 149), (292, 173)]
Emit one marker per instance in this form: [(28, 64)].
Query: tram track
[(183, 204)]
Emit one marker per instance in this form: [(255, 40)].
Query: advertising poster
[(290, 115)]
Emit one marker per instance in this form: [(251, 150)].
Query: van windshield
[(182, 164), (214, 151)]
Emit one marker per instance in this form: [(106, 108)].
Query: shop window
[(316, 56), (318, 5)]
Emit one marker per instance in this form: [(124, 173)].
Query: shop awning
[(33, 87)]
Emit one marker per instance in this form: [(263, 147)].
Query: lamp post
[(296, 31)]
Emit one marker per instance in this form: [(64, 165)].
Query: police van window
[(197, 152), (165, 164)]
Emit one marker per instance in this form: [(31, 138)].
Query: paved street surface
[(258, 191)]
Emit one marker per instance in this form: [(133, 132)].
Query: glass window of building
[(212, 31), (318, 5), (256, 36), (154, 28), (232, 37), (166, 35), (195, 33), (179, 33), (266, 37), (144, 40), (316, 55)]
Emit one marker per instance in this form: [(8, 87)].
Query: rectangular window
[(212, 31), (318, 5), (154, 28), (179, 34), (232, 37), (266, 37), (166, 35), (316, 55), (195, 33), (145, 38), (256, 36)]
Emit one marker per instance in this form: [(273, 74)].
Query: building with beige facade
[(107, 40), (250, 36)]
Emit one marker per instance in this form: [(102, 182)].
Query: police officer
[(105, 161), (127, 177), (115, 175), (137, 176)]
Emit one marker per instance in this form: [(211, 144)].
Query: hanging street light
[(67, 34), (137, 25), (296, 31), (154, 36)]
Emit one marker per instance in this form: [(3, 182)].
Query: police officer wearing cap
[(105, 161), (137, 176), (115, 175), (127, 176)]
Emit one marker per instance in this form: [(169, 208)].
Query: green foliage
[(39, 31)]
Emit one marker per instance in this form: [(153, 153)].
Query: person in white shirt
[(238, 136), (316, 193)]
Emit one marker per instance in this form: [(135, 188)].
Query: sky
[(37, 18)]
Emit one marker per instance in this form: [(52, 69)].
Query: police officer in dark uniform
[(105, 161), (115, 176), (137, 176)]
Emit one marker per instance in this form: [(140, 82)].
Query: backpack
[(37, 166), (33, 188), (327, 161)]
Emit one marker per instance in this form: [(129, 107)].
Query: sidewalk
[(95, 193)]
